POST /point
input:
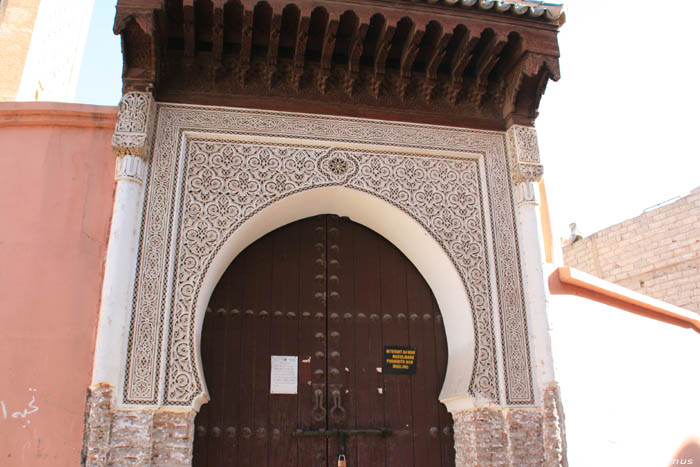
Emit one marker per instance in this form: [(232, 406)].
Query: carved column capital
[(131, 168), (132, 134), (526, 194), (524, 154)]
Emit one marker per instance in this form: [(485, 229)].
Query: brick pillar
[(511, 436), (116, 437)]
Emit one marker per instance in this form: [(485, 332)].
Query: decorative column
[(114, 434), (525, 172), (131, 144)]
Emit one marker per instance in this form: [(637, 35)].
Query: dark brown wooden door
[(333, 293)]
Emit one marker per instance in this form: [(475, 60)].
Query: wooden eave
[(388, 59)]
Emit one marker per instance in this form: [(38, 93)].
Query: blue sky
[(617, 134), (100, 80)]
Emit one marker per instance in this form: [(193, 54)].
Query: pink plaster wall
[(55, 206)]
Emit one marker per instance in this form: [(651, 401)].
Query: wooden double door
[(337, 296)]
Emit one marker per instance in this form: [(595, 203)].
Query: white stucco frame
[(488, 342)]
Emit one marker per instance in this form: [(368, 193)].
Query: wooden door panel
[(367, 310), (397, 388), (333, 293), (424, 385), (446, 423), (284, 340), (312, 335), (341, 318), (232, 351)]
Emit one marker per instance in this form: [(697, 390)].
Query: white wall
[(630, 385), (52, 68)]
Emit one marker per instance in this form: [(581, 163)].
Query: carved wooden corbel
[(217, 35), (527, 84), (137, 29), (408, 55), (299, 52), (459, 63), (356, 48), (246, 46), (484, 65), (324, 72), (381, 53), (272, 50), (434, 62)]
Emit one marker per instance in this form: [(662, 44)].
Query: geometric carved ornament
[(212, 169)]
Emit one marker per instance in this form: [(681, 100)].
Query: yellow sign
[(399, 360)]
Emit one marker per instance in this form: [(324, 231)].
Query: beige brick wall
[(15, 36), (656, 253)]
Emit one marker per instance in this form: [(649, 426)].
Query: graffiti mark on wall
[(23, 414)]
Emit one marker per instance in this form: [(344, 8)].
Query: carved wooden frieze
[(484, 64)]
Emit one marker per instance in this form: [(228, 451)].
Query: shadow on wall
[(688, 453)]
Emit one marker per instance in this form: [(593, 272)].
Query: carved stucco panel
[(443, 194), (524, 154), (134, 125)]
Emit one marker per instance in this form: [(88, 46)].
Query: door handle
[(318, 413), (337, 411)]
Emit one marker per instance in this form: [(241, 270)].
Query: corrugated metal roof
[(529, 8)]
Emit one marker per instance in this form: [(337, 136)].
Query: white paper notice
[(283, 374)]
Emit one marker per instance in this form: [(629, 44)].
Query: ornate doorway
[(337, 296)]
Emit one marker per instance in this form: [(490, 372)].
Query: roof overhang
[(476, 63), (570, 281)]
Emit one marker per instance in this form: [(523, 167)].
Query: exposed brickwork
[(131, 442), (524, 428), (513, 436), (172, 438), (98, 426), (656, 253), (553, 428), (15, 36), (135, 437), (480, 437)]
